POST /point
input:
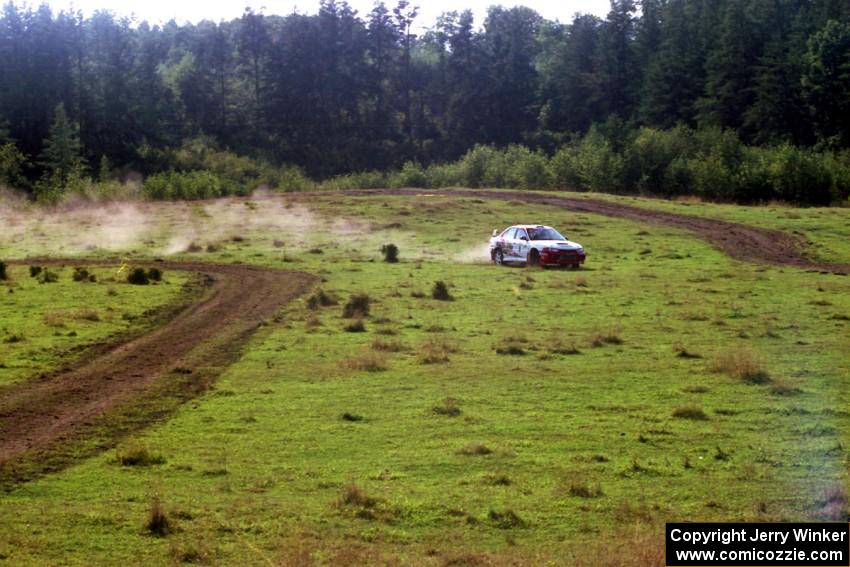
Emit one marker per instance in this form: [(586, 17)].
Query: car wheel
[(498, 257), (574, 266), (533, 259)]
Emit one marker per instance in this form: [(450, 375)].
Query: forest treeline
[(730, 99)]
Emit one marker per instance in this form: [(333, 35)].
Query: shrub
[(353, 495), (82, 275), (478, 167), (361, 180), (46, 276), (580, 488), (410, 175), (564, 168), (35, 271), (158, 523), (3, 275), (390, 252), (506, 520), (351, 417), (138, 276), (357, 306), (441, 291), (155, 275), (448, 408), (320, 299), (189, 185)]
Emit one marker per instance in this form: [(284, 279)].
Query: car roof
[(529, 226)]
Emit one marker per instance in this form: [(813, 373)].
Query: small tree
[(62, 153), (441, 291), (390, 253)]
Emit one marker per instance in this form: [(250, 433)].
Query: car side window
[(520, 232), (508, 234)]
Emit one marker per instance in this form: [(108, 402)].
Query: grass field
[(538, 417)]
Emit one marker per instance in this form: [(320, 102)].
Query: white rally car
[(534, 245)]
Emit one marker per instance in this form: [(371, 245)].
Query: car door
[(521, 244), (506, 243)]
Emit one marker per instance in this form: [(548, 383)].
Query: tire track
[(47, 423)]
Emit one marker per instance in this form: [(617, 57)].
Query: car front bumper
[(562, 258)]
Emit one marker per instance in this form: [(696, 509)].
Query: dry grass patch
[(435, 352), (368, 362), (449, 407), (388, 346), (579, 487), (690, 412), (600, 338), (784, 389), (475, 449), (137, 455), (744, 364), (353, 499)]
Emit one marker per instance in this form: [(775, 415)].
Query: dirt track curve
[(177, 360), (742, 242)]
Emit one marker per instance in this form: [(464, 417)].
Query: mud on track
[(742, 242), (47, 423)]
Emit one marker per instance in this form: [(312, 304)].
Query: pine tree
[(826, 81), (62, 155)]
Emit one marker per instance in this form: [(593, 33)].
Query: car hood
[(561, 244)]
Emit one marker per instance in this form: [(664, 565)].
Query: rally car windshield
[(544, 234)]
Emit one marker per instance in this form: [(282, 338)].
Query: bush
[(564, 168), (155, 275), (184, 185), (82, 275), (390, 252), (46, 276), (361, 180), (441, 291), (3, 275), (357, 307), (320, 299), (35, 271), (158, 523), (799, 175), (448, 407), (410, 175), (138, 276)]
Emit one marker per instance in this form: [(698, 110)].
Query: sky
[(157, 11)]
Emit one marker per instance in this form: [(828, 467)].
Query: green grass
[(44, 325), (569, 443)]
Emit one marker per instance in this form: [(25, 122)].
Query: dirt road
[(88, 408), (742, 242)]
